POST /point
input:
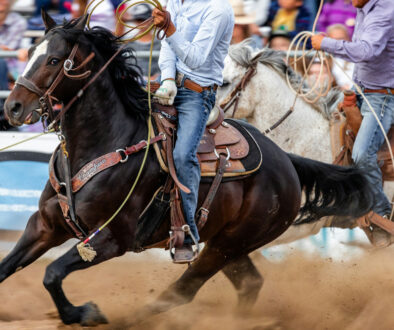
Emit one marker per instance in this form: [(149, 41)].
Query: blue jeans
[(193, 111), (369, 140)]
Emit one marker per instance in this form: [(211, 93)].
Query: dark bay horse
[(246, 214)]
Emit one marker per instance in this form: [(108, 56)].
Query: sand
[(299, 292)]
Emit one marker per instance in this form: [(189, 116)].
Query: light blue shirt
[(198, 47)]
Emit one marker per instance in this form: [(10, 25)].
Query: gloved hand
[(167, 92)]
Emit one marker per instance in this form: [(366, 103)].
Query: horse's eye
[(54, 61)]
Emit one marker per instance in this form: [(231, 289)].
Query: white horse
[(266, 98)]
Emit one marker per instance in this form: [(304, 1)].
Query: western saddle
[(344, 126)]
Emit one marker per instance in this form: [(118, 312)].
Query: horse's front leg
[(88, 314), (37, 238)]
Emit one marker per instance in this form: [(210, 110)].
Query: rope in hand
[(85, 250), (317, 90)]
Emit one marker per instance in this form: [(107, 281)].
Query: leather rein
[(236, 93)]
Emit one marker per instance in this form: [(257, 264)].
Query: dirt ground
[(299, 293)]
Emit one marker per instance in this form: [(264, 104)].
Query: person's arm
[(167, 58), (167, 61), (195, 53), (373, 41)]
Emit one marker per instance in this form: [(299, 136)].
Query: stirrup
[(196, 251)]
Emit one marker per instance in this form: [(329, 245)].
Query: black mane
[(126, 75)]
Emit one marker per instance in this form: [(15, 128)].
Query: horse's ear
[(48, 21), (81, 22)]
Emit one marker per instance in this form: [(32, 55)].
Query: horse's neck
[(305, 131), (99, 124)]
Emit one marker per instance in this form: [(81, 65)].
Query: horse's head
[(46, 60), (239, 68)]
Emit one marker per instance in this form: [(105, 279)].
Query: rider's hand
[(316, 41), (159, 19), (166, 93)]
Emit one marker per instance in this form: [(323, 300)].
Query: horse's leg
[(246, 279), (210, 261), (37, 238), (88, 314)]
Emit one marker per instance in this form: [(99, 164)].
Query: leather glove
[(167, 92)]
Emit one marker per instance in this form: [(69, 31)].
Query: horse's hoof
[(91, 315)]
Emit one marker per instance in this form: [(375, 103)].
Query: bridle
[(47, 100), (237, 91)]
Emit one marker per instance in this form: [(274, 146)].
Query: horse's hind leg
[(88, 314), (210, 261), (246, 279), (37, 238)]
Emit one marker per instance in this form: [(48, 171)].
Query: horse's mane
[(244, 55), (126, 75)]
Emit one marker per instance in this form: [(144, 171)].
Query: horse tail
[(331, 190)]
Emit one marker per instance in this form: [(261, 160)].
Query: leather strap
[(177, 220), (189, 84), (378, 220), (236, 93), (22, 81), (380, 91), (171, 165), (204, 209)]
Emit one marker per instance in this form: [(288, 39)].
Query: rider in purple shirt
[(372, 49)]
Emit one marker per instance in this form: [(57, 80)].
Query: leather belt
[(190, 84), (380, 91)]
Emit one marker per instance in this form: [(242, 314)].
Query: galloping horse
[(246, 214), (266, 98)]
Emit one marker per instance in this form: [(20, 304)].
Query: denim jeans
[(369, 140), (193, 112), (3, 85)]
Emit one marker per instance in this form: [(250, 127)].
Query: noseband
[(237, 91), (46, 98)]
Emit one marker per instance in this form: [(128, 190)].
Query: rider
[(191, 63), (372, 49)]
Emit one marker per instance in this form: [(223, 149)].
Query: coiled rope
[(298, 45)]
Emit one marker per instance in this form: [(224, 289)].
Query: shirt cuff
[(330, 45), (175, 41), (168, 73)]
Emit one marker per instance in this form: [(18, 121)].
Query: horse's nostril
[(15, 108)]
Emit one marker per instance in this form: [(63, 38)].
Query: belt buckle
[(179, 78)]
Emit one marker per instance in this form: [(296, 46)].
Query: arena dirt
[(299, 293)]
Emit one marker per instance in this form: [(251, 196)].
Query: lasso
[(298, 45), (87, 252)]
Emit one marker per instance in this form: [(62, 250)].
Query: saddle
[(227, 151), (344, 126), (224, 152)]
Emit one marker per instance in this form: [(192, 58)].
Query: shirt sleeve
[(195, 53), (167, 57), (16, 31), (373, 40)]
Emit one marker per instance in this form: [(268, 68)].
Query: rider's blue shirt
[(198, 47)]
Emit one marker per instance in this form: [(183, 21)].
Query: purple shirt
[(338, 12), (372, 47), (12, 30)]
